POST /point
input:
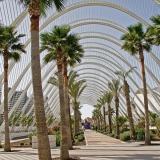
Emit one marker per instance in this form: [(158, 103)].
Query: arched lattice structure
[(100, 24)]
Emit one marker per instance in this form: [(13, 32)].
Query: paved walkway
[(96, 138), (99, 147)]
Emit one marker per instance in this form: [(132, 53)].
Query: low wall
[(52, 141), (15, 135)]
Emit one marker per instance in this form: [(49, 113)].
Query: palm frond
[(53, 81)]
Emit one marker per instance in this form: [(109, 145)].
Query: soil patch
[(21, 143), (83, 143)]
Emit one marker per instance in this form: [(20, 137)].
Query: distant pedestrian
[(83, 128)]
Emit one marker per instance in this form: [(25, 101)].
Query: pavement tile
[(100, 147)]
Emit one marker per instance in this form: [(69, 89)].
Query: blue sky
[(86, 111)]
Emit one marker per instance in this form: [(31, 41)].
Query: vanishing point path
[(98, 147)]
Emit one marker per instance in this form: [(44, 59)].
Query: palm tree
[(126, 93), (29, 121), (153, 32), (23, 121), (10, 47), (153, 117), (115, 89), (50, 120), (108, 98), (15, 119), (55, 43), (72, 52), (122, 120), (75, 90), (102, 102), (98, 115), (70, 79), (37, 8), (71, 56), (135, 41)]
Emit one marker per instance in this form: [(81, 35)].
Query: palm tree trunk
[(109, 118), (104, 118), (7, 147), (130, 118), (42, 134), (64, 154), (72, 138), (76, 119), (147, 132), (117, 114), (98, 127), (67, 104)]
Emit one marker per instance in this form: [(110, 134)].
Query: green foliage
[(30, 136), (140, 133), (1, 146), (141, 123), (80, 132), (158, 127), (58, 139), (125, 136), (50, 120), (111, 134), (153, 117), (80, 138), (121, 120)]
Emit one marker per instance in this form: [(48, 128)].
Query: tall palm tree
[(75, 90), (70, 78), (108, 98), (115, 88), (102, 102), (71, 56), (72, 52), (37, 8), (135, 41), (98, 114), (50, 120), (55, 43), (23, 121), (153, 31), (10, 47), (126, 93), (15, 119)]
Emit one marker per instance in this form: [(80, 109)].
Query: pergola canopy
[(100, 24)]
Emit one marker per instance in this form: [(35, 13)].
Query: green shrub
[(125, 136), (75, 137), (80, 132), (21, 143), (111, 134), (30, 136), (80, 138), (1, 146), (58, 139), (140, 133)]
